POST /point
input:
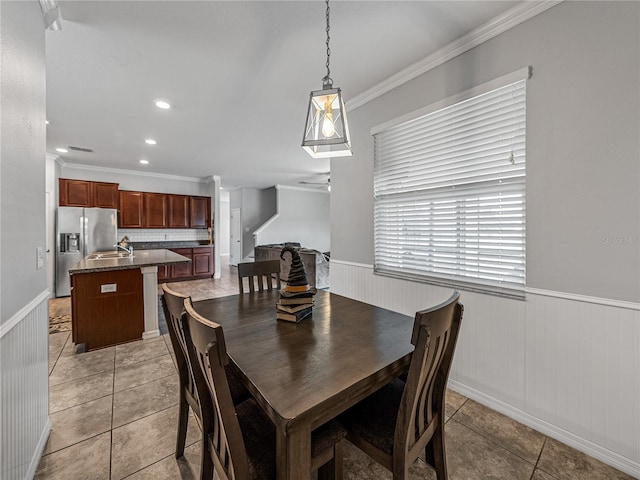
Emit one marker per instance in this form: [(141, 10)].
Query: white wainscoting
[(24, 389), (566, 365)]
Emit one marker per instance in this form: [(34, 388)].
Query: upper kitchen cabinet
[(163, 210), (178, 211), (84, 193), (131, 210), (155, 210), (105, 195), (199, 212)]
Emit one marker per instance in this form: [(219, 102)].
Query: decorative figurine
[(296, 298)]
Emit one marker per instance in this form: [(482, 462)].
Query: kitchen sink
[(106, 255)]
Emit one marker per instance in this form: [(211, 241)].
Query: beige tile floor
[(114, 414)]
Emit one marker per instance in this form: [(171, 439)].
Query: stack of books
[(294, 308)]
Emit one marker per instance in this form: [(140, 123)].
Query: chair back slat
[(259, 275), (173, 309), (435, 333), (207, 354)]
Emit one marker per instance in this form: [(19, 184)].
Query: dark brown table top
[(311, 369)]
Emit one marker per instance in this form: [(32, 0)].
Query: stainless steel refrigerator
[(79, 232)]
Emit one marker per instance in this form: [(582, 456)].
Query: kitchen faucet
[(123, 245), (128, 250)]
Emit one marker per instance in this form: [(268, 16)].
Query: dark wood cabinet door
[(163, 273), (178, 211), (182, 270), (200, 212), (155, 210), (75, 193), (202, 261), (130, 214), (104, 318), (105, 195)]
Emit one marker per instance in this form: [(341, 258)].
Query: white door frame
[(235, 240)]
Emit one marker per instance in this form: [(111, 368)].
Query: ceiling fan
[(326, 183)]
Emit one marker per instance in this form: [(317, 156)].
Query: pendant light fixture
[(326, 132)]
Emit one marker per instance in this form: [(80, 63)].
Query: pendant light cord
[(327, 81)]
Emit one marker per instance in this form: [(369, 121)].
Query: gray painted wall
[(24, 404), (583, 168), (303, 216), (22, 163), (256, 207)]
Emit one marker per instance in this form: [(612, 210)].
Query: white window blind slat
[(449, 194)]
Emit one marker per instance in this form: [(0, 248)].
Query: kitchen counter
[(115, 300), (141, 258)]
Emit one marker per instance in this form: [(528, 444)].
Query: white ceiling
[(237, 73)]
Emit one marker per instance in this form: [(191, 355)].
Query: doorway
[(235, 254)]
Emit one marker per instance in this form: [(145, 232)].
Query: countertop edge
[(104, 265)]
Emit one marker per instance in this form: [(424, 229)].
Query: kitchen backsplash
[(160, 235)]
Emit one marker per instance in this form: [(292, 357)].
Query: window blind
[(449, 194)]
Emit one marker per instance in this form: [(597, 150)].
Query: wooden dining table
[(304, 374)]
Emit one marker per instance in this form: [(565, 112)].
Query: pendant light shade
[(326, 131)]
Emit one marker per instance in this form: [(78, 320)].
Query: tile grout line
[(113, 401), (538, 460), (457, 409), (491, 440), (60, 353)]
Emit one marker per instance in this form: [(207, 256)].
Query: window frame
[(465, 282)]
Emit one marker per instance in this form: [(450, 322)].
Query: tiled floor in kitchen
[(114, 412)]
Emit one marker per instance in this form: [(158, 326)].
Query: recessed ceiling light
[(62, 150), (162, 104), (150, 141), (144, 162), (46, 122)]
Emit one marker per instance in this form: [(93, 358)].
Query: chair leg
[(183, 418), (332, 470), (206, 464), (435, 453), (400, 468)]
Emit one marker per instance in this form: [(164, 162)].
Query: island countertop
[(141, 258)]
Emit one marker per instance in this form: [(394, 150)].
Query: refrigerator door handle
[(84, 225)]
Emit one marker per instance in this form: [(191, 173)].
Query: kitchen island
[(114, 297)]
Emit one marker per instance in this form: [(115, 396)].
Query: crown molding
[(121, 171), (500, 24), (304, 189)]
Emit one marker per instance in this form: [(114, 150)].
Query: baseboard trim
[(623, 464), (22, 313), (150, 334), (37, 454)]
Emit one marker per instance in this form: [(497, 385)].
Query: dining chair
[(399, 421), (259, 275), (173, 308), (241, 439)]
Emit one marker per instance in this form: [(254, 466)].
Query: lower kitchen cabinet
[(202, 261), (163, 273), (107, 308), (182, 271), (201, 265)]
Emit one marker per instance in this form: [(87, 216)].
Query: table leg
[(293, 450)]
